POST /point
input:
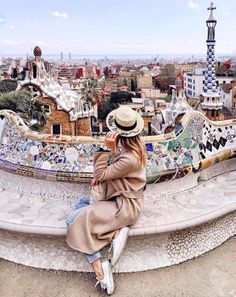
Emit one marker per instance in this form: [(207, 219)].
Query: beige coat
[(97, 223)]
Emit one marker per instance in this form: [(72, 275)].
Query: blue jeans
[(82, 202)]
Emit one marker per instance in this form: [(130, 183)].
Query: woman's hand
[(94, 182), (110, 141)]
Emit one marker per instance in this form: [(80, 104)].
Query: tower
[(37, 53), (211, 103), (37, 62)]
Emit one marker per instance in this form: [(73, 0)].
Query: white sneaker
[(118, 245), (107, 281)]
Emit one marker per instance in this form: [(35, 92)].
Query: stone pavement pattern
[(212, 274)]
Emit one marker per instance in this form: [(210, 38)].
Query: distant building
[(127, 78), (188, 67), (195, 80), (152, 93), (98, 72), (179, 81), (106, 72), (149, 107), (79, 73), (233, 66), (228, 95), (5, 71), (68, 72), (88, 72), (144, 81), (136, 104)]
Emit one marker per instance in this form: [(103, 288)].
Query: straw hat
[(125, 121)]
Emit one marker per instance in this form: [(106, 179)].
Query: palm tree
[(7, 85), (16, 101), (37, 112), (89, 92), (22, 103)]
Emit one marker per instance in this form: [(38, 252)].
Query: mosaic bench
[(194, 145), (181, 219), (189, 203)]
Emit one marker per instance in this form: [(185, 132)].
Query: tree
[(221, 69), (116, 98), (105, 108), (22, 103), (125, 83), (121, 97), (166, 78), (37, 113), (7, 85), (168, 98), (133, 85), (89, 92), (16, 101), (169, 72), (14, 73)]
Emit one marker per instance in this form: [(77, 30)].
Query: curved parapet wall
[(196, 144)]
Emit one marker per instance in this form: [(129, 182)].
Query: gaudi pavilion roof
[(68, 100)]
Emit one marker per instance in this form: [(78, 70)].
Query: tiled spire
[(210, 75)]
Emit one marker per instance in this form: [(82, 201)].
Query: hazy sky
[(114, 26)]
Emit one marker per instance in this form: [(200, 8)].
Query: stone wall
[(83, 127), (57, 117), (80, 127)]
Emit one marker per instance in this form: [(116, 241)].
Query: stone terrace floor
[(212, 274)]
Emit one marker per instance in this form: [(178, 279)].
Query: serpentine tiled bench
[(180, 220), (195, 144)]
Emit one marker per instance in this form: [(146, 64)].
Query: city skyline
[(137, 27)]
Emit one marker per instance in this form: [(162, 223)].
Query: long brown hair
[(135, 145)]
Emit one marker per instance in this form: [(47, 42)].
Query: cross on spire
[(211, 17), (211, 7)]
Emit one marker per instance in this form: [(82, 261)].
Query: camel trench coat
[(97, 223)]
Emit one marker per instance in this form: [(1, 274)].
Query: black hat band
[(126, 128)]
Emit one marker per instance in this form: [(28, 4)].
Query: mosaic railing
[(196, 144)]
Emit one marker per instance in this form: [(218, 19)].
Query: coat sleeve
[(120, 168)]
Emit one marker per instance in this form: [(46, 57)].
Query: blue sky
[(114, 26)]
